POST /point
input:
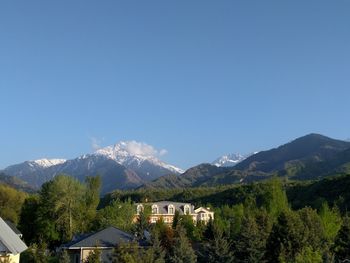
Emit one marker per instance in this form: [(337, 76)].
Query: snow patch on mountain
[(230, 160), (47, 162), (129, 153)]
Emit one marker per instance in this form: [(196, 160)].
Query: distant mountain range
[(122, 166), (119, 166), (312, 156)]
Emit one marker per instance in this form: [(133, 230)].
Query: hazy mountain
[(15, 183), (35, 172)]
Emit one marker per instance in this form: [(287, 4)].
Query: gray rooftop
[(9, 240), (13, 227), (163, 206), (109, 238)]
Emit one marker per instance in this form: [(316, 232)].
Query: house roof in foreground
[(9, 240), (108, 238), (13, 227)]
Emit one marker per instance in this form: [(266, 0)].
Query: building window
[(139, 209), (154, 209), (171, 209)]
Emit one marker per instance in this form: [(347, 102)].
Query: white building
[(166, 211)]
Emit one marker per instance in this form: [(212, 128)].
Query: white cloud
[(95, 143), (143, 149), (163, 152)]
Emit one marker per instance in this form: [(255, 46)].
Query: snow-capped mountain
[(230, 160), (137, 156), (34, 172), (123, 165), (46, 162)]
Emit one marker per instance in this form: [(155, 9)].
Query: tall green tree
[(11, 201), (60, 209), (274, 198), (313, 232), (331, 221), (142, 224), (165, 233), (91, 199), (66, 195), (156, 253), (118, 214), (182, 251), (127, 253), (176, 219), (250, 242), (28, 220), (219, 249), (286, 238), (342, 242)]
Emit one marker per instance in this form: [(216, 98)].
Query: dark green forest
[(276, 220)]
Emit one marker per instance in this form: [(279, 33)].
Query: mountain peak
[(47, 162), (229, 160), (135, 153)]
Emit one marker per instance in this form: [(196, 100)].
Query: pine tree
[(308, 255), (165, 233), (176, 219), (141, 225), (157, 249), (127, 253), (219, 249), (286, 238), (250, 243), (342, 242), (209, 231), (182, 251)]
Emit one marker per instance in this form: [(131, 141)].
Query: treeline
[(253, 223), (333, 190)]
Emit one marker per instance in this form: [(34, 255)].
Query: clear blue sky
[(197, 78)]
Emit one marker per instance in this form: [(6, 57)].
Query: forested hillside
[(271, 221)]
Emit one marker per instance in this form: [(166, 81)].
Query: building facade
[(165, 210)]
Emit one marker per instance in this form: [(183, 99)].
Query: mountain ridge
[(123, 168), (292, 160)]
